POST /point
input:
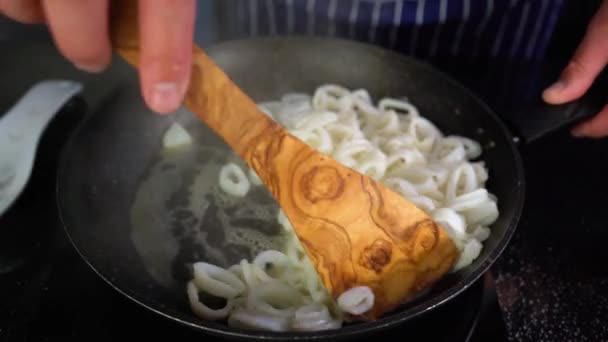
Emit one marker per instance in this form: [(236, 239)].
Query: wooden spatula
[(355, 231)]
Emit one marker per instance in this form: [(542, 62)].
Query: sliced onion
[(217, 281), (356, 300), (202, 310)]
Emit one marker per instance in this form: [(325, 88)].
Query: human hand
[(588, 61), (80, 31)]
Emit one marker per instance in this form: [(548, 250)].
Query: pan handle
[(540, 119)]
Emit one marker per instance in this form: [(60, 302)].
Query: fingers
[(166, 33), (23, 11), (596, 127), (80, 30), (587, 62)]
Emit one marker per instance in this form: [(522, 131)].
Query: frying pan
[(114, 154)]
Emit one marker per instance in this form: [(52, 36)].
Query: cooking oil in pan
[(180, 215)]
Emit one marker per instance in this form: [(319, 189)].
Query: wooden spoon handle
[(211, 95), (216, 100)]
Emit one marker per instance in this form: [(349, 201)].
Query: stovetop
[(551, 283)]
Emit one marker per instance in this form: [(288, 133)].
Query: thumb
[(588, 61)]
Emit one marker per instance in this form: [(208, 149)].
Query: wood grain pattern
[(355, 231)]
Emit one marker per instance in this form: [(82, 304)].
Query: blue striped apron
[(514, 29)]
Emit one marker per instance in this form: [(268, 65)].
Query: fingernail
[(556, 87), (165, 97), (93, 68)]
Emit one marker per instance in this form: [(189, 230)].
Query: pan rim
[(359, 329)]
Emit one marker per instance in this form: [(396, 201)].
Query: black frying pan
[(114, 150)]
